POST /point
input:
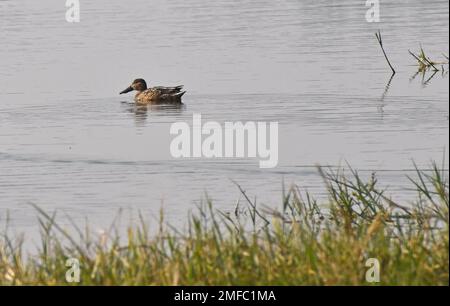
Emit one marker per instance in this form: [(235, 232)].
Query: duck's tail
[(180, 94), (173, 97)]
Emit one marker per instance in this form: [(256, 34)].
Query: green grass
[(425, 63), (301, 243)]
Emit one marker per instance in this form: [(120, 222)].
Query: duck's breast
[(148, 96)]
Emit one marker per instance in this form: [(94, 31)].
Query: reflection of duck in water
[(141, 112), (163, 95)]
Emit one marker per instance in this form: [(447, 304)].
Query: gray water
[(69, 142)]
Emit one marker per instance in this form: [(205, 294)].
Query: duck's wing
[(168, 90), (161, 94), (172, 96)]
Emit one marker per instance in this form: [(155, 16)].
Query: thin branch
[(380, 41)]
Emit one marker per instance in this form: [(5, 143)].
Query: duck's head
[(138, 85)]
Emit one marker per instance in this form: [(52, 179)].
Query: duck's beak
[(126, 90)]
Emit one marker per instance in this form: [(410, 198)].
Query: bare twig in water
[(380, 41)]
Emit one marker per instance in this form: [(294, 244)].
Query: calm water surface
[(68, 142)]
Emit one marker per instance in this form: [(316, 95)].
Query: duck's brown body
[(159, 94)]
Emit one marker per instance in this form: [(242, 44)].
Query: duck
[(156, 95)]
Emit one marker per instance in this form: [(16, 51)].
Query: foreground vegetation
[(302, 243)]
